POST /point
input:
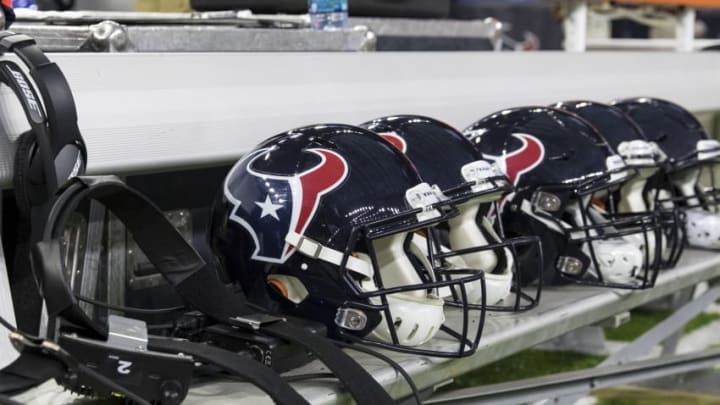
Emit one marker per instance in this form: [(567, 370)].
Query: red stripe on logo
[(523, 159), (318, 181)]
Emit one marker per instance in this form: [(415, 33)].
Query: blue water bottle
[(24, 4), (328, 14)]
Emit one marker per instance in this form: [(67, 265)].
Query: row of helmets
[(376, 230)]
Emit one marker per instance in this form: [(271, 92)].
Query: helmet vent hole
[(413, 332), (397, 323)]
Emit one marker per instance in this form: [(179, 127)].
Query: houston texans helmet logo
[(269, 206), (522, 160), (396, 140)]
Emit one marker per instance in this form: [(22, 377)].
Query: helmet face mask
[(566, 180), (309, 227), (640, 195), (404, 287), (473, 240), (603, 248), (688, 182)]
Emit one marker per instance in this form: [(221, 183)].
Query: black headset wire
[(86, 370), (129, 310), (391, 362)]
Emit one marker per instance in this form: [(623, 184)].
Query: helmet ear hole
[(288, 287)]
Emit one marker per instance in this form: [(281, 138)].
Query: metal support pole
[(669, 345), (575, 26), (685, 30), (664, 329)]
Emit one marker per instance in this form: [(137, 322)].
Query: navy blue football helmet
[(641, 194), (563, 171), (473, 239), (318, 223), (692, 157)]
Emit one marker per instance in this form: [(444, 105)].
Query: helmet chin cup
[(416, 321), (618, 261), (703, 229)]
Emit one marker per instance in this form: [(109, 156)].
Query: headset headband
[(52, 118)]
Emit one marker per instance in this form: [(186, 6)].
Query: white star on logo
[(268, 208)]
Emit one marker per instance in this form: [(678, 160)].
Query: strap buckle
[(31, 344), (310, 244), (255, 321)]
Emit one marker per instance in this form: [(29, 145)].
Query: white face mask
[(418, 314)]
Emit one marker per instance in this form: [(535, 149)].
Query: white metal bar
[(575, 26), (143, 112), (638, 44), (685, 29)]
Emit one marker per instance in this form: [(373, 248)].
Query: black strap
[(261, 376), (26, 372), (197, 281)]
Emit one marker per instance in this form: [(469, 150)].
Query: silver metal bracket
[(255, 321)]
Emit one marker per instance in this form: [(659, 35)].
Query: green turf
[(700, 321), (616, 401), (642, 320), (526, 364)]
